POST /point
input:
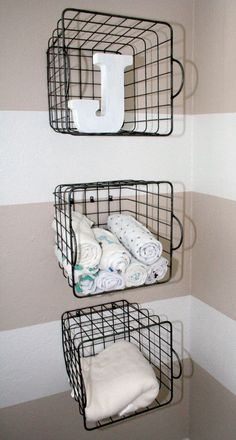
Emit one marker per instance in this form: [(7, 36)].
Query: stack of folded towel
[(126, 255), (118, 380)]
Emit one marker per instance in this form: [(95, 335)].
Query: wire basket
[(149, 89), (88, 331), (149, 202)]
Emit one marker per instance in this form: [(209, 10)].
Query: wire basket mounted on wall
[(86, 332), (148, 83), (149, 202)]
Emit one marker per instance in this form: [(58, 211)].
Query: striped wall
[(198, 158), (212, 408)]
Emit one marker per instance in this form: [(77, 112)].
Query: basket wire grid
[(149, 202), (149, 87), (88, 331)]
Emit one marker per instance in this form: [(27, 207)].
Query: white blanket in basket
[(136, 274), (88, 249), (157, 271), (118, 380), (135, 237), (114, 256)]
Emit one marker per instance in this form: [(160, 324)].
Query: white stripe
[(32, 363), (215, 154), (213, 342), (34, 159), (176, 310), (204, 332)]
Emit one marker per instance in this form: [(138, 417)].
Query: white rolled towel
[(136, 274), (88, 249), (83, 241), (157, 271), (86, 284), (107, 281), (79, 271), (118, 380), (114, 256), (135, 237), (59, 255)]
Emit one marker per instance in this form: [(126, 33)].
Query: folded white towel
[(157, 271), (88, 249), (135, 237), (118, 380), (114, 256), (107, 281), (136, 274)]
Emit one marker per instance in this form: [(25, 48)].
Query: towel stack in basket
[(125, 255)]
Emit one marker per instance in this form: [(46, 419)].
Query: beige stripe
[(212, 408), (214, 252), (23, 53), (33, 289), (214, 44), (207, 410), (57, 418)]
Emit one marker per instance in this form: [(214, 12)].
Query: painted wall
[(34, 293), (197, 158), (212, 408)]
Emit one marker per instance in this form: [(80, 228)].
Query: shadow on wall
[(183, 103), (182, 209)]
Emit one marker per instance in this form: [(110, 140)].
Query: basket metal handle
[(74, 247), (181, 233), (180, 365), (67, 70), (182, 81)]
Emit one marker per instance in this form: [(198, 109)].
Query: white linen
[(107, 281), (136, 274), (88, 249), (114, 256), (135, 237), (79, 271), (118, 380), (157, 271), (59, 255), (86, 284)]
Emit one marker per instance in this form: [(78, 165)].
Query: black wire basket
[(150, 202), (149, 86), (88, 331)]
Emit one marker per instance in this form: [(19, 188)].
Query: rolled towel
[(88, 249), (59, 255), (83, 241), (79, 271), (118, 380), (107, 281), (135, 237), (157, 271), (114, 256), (136, 274), (86, 284)]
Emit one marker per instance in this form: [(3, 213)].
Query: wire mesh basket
[(88, 331), (149, 89), (150, 202)]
